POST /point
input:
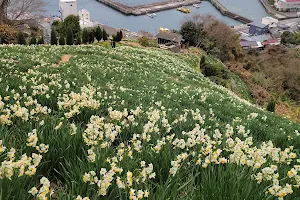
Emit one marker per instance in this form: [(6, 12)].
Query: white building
[(287, 5), (272, 22), (67, 7), (85, 18)]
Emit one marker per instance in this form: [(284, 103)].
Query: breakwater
[(228, 13), (167, 5), (147, 8)]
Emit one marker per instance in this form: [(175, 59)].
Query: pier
[(228, 13), (167, 5)]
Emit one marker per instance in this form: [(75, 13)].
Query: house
[(257, 28), (287, 5), (67, 7), (168, 37), (251, 45), (272, 42)]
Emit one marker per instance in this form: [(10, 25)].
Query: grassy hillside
[(133, 123)]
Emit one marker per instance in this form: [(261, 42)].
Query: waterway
[(171, 19)]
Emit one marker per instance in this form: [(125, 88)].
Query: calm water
[(168, 19)]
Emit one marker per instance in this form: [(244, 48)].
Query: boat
[(150, 15), (196, 5), (153, 14), (184, 10)]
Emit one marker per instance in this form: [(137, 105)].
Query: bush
[(32, 40), (78, 40), (91, 35), (7, 34), (144, 41), (98, 33), (271, 106), (62, 40), (21, 38), (53, 37), (85, 36), (214, 70), (105, 35), (70, 37), (41, 40)]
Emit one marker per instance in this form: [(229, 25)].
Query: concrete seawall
[(167, 5)]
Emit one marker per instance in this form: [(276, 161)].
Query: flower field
[(134, 123)]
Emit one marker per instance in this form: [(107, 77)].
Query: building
[(257, 28), (168, 37), (85, 19), (287, 5), (67, 7), (251, 45)]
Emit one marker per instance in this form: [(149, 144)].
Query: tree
[(85, 36), (271, 106), (62, 40), (78, 40), (91, 35), (202, 61), (105, 35), (70, 37), (188, 31), (287, 37), (41, 40), (21, 38), (144, 41), (18, 8), (53, 37), (99, 34), (32, 40), (72, 22)]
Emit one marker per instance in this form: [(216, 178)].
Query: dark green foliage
[(202, 61), (105, 35), (91, 35), (32, 40), (78, 40), (144, 41), (72, 22), (70, 37), (41, 40), (55, 23), (290, 38), (119, 36), (21, 38), (62, 40), (193, 33), (271, 106), (53, 37), (98, 33), (85, 36), (114, 38), (214, 70)]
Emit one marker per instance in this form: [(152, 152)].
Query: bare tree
[(19, 9)]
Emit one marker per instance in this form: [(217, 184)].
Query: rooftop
[(169, 36)]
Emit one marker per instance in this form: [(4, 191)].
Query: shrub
[(62, 40), (271, 106), (53, 37), (32, 40), (85, 36), (143, 41), (7, 34), (78, 40), (21, 38), (41, 40), (70, 37), (98, 33), (105, 35), (91, 35)]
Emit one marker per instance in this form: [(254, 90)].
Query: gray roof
[(259, 38), (169, 36), (259, 24), (248, 43)]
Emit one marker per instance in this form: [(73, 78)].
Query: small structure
[(67, 7), (257, 28), (168, 37), (287, 5), (272, 42)]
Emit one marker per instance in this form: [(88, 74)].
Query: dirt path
[(64, 59)]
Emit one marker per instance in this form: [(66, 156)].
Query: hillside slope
[(122, 123)]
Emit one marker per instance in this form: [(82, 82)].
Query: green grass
[(127, 78)]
